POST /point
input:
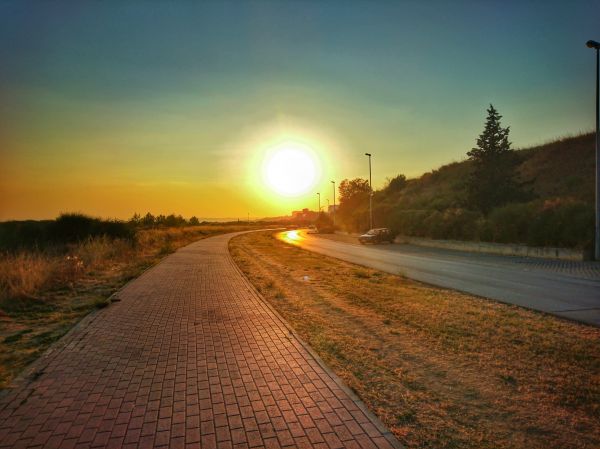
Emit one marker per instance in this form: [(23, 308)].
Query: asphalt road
[(567, 289)]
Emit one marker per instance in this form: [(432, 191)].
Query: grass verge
[(441, 369), (44, 294)]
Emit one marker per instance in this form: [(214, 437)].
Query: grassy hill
[(559, 212)]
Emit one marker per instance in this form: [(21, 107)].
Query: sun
[(291, 169)]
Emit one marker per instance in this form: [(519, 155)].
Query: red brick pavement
[(190, 357)]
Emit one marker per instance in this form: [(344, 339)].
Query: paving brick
[(191, 356)]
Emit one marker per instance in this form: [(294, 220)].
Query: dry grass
[(442, 369), (43, 294), (24, 274)]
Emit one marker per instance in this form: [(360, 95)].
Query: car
[(378, 235)]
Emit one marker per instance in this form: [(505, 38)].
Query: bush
[(563, 222), (23, 234), (73, 228), (456, 224), (511, 223), (66, 229)]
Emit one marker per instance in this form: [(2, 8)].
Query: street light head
[(593, 44), (368, 154)]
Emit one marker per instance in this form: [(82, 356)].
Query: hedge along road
[(523, 282)]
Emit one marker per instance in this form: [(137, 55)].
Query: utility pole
[(319, 209), (370, 194), (333, 182), (596, 45)]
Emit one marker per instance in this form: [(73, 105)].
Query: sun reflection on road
[(293, 237)]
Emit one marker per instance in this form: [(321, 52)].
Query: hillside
[(561, 168), (559, 176)]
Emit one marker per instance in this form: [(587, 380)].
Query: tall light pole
[(333, 182), (319, 209), (370, 194), (596, 45)]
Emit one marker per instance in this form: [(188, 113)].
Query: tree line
[(169, 221)]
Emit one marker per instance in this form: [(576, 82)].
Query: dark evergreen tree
[(492, 181)]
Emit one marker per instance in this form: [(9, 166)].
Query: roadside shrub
[(58, 234), (511, 223), (409, 222), (563, 222), (71, 228), (433, 225), (460, 224), (455, 224), (28, 234)]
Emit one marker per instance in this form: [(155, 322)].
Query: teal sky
[(111, 108)]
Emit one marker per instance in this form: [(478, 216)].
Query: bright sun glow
[(290, 170)]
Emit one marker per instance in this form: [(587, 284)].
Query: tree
[(194, 221), (349, 189), (135, 220), (353, 210), (396, 183), (492, 180), (148, 220), (324, 223)]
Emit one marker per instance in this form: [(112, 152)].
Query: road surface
[(190, 357), (566, 289)]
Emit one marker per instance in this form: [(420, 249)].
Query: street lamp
[(370, 194), (319, 209), (333, 182), (596, 46)]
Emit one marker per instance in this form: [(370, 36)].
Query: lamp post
[(319, 209), (370, 194), (333, 182), (596, 46)]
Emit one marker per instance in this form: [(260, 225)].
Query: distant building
[(304, 215)]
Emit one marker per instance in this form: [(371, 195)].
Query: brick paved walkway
[(189, 357)]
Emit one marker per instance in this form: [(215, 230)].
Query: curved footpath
[(190, 356)]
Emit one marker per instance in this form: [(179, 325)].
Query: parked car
[(378, 235)]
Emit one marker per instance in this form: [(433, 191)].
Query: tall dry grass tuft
[(97, 252), (25, 274)]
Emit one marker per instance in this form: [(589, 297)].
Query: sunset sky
[(110, 109)]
